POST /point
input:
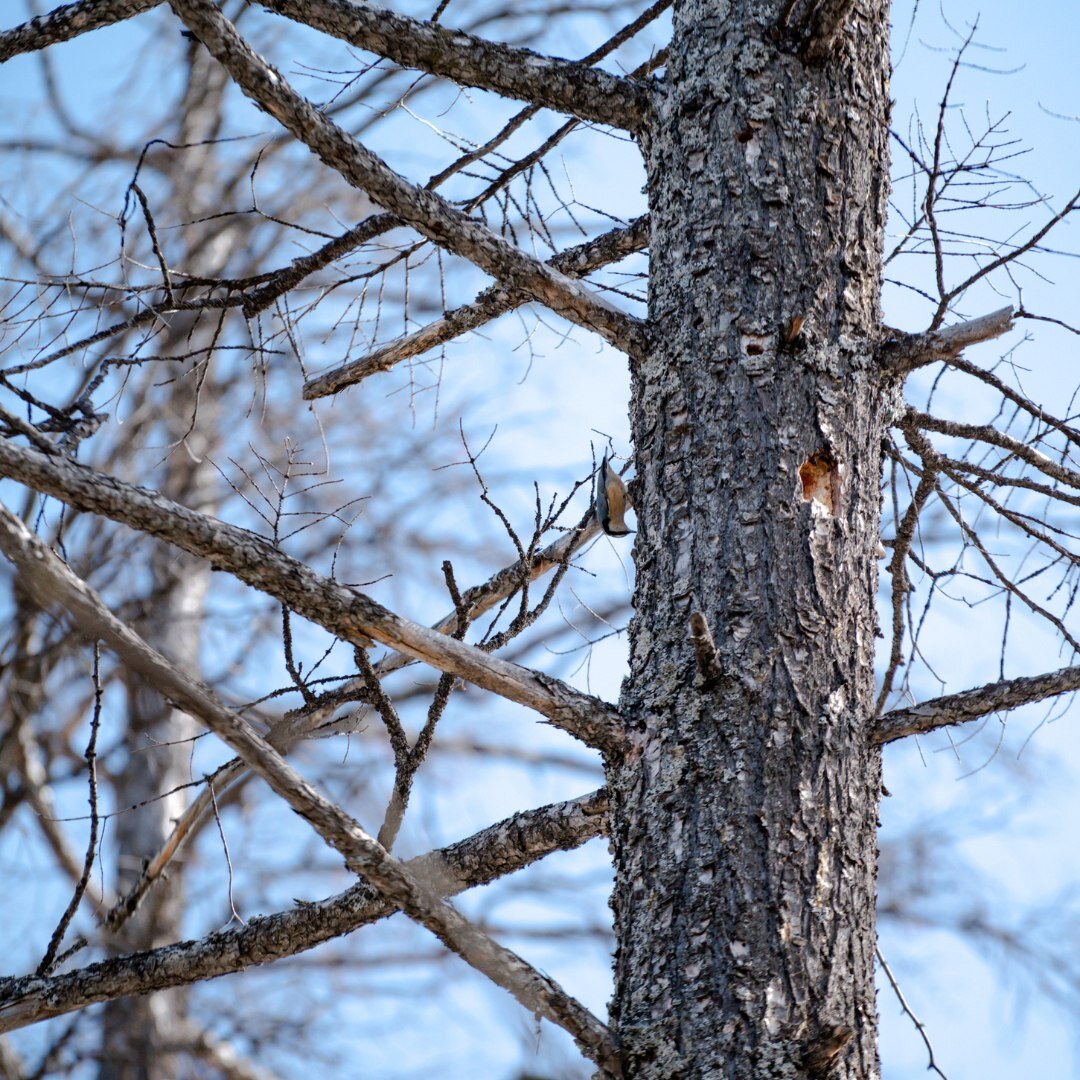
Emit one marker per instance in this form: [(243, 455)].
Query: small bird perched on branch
[(611, 500)]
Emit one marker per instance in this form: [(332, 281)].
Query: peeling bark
[(744, 823)]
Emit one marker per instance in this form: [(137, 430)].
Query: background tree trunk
[(744, 826), (142, 1036)]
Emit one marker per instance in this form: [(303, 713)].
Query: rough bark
[(974, 704), (744, 822), (494, 852), (66, 22), (52, 581), (567, 85)]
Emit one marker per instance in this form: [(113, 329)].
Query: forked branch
[(908, 352), (489, 305), (492, 853), (479, 600), (49, 581)]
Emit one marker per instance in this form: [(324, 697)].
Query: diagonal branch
[(345, 612), (913, 419), (972, 704), (568, 86), (1006, 257), (66, 22), (478, 600), (489, 305), (911, 351), (428, 213), (49, 581), (489, 854)]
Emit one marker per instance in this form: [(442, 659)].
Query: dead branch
[(489, 305), (66, 22), (988, 434), (567, 86), (425, 211), (49, 581), (905, 354), (494, 852), (972, 704), (479, 600), (345, 612)]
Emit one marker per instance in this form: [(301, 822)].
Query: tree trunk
[(744, 823), (142, 1035)]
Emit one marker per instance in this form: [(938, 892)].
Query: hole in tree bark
[(820, 476), (745, 135)]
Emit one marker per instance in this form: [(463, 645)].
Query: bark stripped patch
[(820, 476)]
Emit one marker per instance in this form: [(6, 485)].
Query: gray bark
[(136, 1055), (976, 703), (66, 22), (569, 86), (744, 821), (348, 613)]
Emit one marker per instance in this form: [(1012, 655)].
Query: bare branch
[(49, 581), (1007, 257), (49, 960), (905, 534), (489, 305), (478, 600), (12, 1066), (1016, 397), (989, 434), (919, 1025), (489, 854), (345, 612), (126, 906), (422, 209), (911, 351), (972, 704), (66, 22), (568, 86)]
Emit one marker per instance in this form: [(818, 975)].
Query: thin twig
[(47, 962), (919, 1025)]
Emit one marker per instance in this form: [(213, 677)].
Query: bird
[(611, 500)]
